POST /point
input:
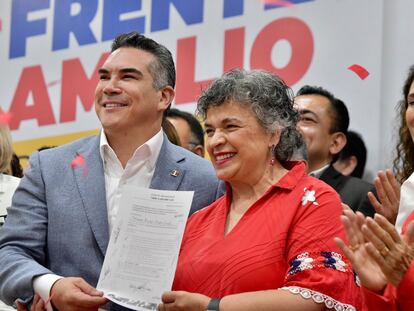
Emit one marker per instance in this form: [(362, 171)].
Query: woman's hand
[(388, 190), (365, 266), (180, 300), (391, 252)]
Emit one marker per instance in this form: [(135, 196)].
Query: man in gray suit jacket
[(57, 231)]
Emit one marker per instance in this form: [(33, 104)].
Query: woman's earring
[(272, 151)]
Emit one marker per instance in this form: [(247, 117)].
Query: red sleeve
[(393, 298), (405, 297), (317, 267), (379, 302)]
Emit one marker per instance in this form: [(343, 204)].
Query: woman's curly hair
[(404, 159), (268, 97)]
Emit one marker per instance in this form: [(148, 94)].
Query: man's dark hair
[(162, 69), (339, 115), (355, 146), (197, 133)]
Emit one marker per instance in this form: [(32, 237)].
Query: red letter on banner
[(75, 83), (31, 81), (187, 88), (301, 40), (233, 49)]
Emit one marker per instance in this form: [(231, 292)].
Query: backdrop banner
[(51, 51)]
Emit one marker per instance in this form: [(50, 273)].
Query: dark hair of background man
[(197, 133), (355, 146)]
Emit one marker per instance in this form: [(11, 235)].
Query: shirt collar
[(296, 170), (318, 173), (153, 145), (292, 177)]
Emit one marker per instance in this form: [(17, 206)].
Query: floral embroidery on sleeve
[(308, 260), (309, 196)]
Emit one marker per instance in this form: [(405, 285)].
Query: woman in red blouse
[(267, 244)]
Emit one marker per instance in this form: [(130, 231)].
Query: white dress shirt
[(138, 172), (406, 202), (318, 173)]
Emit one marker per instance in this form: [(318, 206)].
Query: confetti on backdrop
[(283, 3), (53, 83), (5, 118), (359, 70)]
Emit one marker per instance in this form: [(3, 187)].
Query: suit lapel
[(91, 184), (169, 169)]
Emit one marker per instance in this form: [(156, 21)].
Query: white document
[(142, 254)]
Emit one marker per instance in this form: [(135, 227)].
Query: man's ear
[(199, 150), (166, 97), (338, 141), (346, 166), (352, 163)]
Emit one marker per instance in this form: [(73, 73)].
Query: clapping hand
[(388, 190), (366, 267), (392, 253)]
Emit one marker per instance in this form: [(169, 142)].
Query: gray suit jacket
[(58, 222)]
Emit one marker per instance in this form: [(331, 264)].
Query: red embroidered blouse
[(284, 241)]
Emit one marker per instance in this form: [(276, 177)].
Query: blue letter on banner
[(190, 10), (21, 28), (65, 23), (113, 26), (233, 8)]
